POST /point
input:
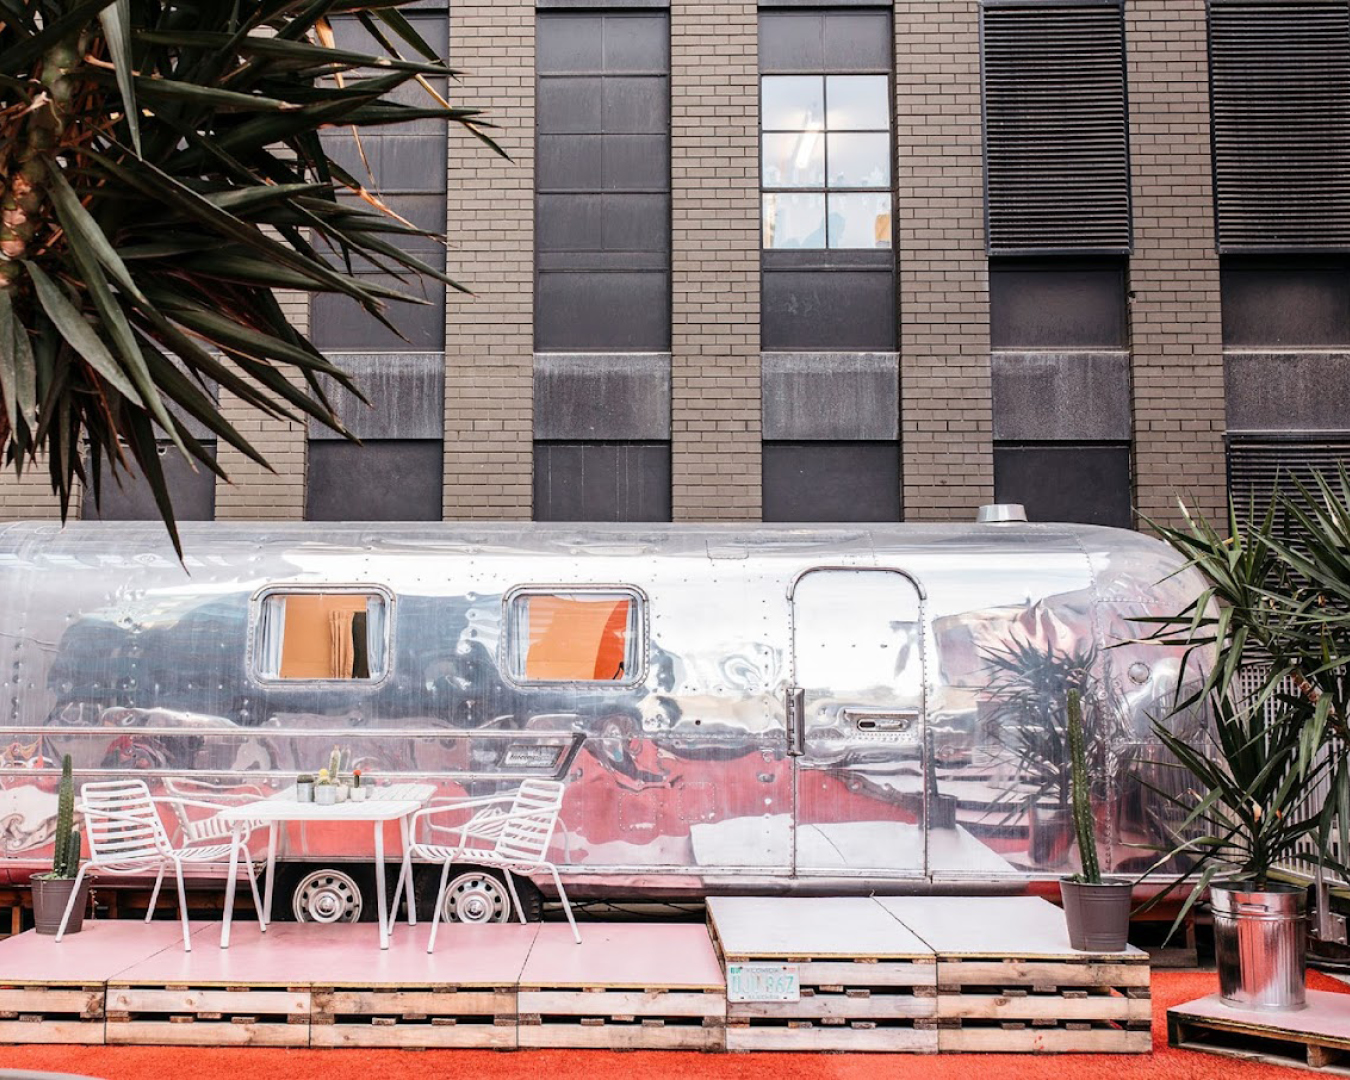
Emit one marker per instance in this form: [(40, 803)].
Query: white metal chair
[(121, 820), (510, 833), (191, 830)]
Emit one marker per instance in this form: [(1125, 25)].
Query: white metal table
[(397, 803)]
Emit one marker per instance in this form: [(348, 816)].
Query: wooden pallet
[(1044, 1006), (181, 1015), (1316, 1038), (414, 1016), (615, 1018), (51, 1013), (863, 1004)]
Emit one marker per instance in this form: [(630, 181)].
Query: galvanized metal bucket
[(1261, 944)]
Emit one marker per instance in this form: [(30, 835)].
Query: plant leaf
[(116, 22)]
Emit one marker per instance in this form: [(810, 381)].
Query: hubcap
[(327, 896), (476, 898)]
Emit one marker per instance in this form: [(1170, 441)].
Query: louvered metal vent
[(1256, 466), (1056, 129), (1280, 77)]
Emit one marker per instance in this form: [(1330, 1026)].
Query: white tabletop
[(383, 804)]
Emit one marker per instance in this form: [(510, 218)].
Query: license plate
[(763, 982)]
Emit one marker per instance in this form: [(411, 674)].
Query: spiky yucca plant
[(161, 173)]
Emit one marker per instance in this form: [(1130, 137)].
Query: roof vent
[(1000, 513)]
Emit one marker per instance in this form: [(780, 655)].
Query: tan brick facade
[(946, 421), (30, 497), (715, 370), (489, 349), (1175, 324), (255, 493)]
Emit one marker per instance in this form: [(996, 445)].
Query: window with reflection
[(583, 636), (826, 161), (322, 636)]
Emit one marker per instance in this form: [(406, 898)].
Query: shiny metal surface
[(929, 663), (1261, 945)]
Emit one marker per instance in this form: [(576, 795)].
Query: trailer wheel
[(327, 896), (476, 895)]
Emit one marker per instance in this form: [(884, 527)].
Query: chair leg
[(154, 894), (70, 904), (253, 884), (515, 899), (398, 892), (440, 902), (182, 906), (567, 907)]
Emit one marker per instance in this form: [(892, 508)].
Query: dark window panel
[(569, 163), (397, 163), (622, 43), (1289, 305), (636, 163), (406, 394), (828, 309), (824, 41), (824, 481), (571, 105), (604, 223), (580, 311), (636, 105), (570, 43), (1085, 483), (193, 493), (609, 481), (393, 480), (1286, 391), (1052, 305), (340, 324)]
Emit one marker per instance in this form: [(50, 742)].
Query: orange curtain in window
[(318, 636), (576, 640)]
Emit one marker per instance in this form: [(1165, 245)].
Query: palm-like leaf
[(1274, 782), (161, 174)]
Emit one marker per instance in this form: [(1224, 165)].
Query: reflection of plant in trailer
[(1025, 721)]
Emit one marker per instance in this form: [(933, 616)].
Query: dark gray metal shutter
[(1280, 83), (1257, 465), (1056, 129)]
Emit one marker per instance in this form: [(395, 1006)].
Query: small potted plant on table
[(51, 891), (325, 790), (1097, 911)]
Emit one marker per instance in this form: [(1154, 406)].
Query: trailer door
[(856, 722)]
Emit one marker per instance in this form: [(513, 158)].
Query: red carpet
[(1169, 988)]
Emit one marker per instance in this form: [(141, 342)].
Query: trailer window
[(317, 635), (574, 636)]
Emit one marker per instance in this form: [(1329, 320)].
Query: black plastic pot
[(50, 896), (1098, 915)]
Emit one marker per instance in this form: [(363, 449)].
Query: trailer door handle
[(796, 721)]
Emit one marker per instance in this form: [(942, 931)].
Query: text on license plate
[(763, 982)]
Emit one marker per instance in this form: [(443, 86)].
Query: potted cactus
[(1097, 911), (359, 790), (51, 891), (325, 791)]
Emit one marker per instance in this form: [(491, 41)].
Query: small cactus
[(1082, 802), (335, 762), (73, 853), (62, 865)]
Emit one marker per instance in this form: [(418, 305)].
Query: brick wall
[(715, 394), (255, 493), (31, 498), (489, 376), (946, 419), (1175, 326)]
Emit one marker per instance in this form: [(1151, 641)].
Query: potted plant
[(1268, 784), (325, 791), (51, 891), (1097, 911), (359, 790)]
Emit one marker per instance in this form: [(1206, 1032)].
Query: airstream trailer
[(824, 709)]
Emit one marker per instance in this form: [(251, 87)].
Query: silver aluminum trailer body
[(814, 708)]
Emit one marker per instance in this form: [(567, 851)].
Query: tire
[(313, 892), (476, 894)]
